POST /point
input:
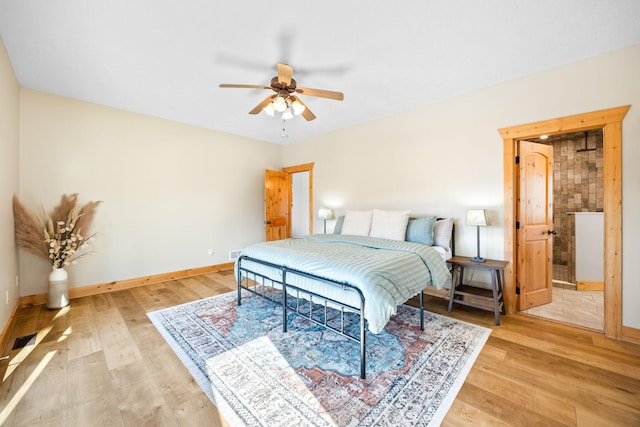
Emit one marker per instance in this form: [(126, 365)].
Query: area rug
[(259, 376)]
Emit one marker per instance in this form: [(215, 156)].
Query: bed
[(354, 279)]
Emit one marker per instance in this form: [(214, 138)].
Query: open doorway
[(611, 122), (300, 223), (301, 199), (577, 292), (279, 200)]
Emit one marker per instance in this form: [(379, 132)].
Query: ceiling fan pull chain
[(284, 132)]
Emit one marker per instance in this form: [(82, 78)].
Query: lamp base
[(477, 259)]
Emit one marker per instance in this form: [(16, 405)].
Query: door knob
[(552, 232)]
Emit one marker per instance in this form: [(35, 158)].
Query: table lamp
[(325, 214), (477, 217)]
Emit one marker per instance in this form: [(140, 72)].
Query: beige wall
[(446, 158), (171, 192), (9, 160)]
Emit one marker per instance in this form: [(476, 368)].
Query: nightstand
[(486, 299)]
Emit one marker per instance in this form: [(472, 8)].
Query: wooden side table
[(474, 296)]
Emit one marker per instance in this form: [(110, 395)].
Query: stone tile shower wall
[(578, 180)]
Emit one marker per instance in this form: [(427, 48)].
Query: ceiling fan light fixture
[(280, 104), (287, 114), (269, 109), (297, 107)]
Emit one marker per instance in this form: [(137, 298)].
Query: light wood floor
[(101, 362)]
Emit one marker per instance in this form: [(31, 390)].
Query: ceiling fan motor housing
[(279, 86)]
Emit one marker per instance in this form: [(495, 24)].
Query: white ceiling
[(166, 58)]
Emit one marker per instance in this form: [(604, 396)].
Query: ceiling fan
[(283, 101)]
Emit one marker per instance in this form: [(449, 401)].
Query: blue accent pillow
[(420, 230), (337, 229)]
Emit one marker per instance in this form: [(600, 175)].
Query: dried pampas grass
[(28, 230), (57, 236)]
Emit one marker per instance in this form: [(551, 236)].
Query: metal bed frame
[(265, 287), (265, 282)]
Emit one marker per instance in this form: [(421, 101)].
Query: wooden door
[(277, 205), (535, 224)]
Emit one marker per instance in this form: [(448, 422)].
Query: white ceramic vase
[(58, 296)]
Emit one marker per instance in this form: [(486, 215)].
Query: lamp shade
[(324, 213), (280, 104), (287, 115), (269, 109), (298, 107), (477, 217)]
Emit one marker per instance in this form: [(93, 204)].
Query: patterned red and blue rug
[(259, 376)]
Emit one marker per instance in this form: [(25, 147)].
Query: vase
[(58, 296)]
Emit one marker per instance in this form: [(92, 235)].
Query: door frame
[(306, 167), (610, 121)]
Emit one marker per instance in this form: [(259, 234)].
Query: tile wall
[(577, 187)]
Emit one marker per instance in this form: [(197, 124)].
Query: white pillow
[(442, 233), (357, 223), (389, 224)]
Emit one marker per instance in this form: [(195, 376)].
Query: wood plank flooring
[(100, 361)]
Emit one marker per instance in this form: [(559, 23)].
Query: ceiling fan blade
[(263, 104), (285, 72), (308, 115), (338, 96), (245, 86)]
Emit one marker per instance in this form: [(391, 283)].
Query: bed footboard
[(273, 282)]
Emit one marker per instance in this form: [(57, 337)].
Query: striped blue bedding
[(388, 272)]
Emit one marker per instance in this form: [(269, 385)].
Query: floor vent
[(24, 341), (234, 255)]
